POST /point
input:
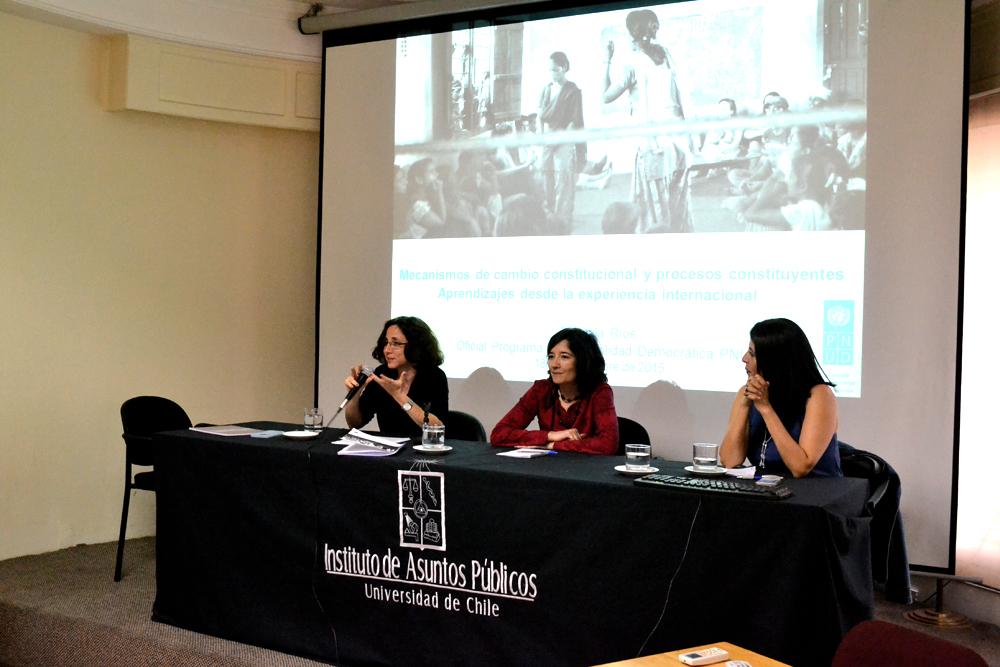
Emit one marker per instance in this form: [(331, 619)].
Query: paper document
[(226, 430), (363, 444), (526, 453)]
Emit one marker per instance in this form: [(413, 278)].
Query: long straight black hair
[(786, 360)]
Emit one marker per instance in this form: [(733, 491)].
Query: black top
[(430, 384)]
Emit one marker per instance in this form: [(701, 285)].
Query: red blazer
[(594, 417)]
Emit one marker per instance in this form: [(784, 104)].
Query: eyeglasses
[(394, 344)]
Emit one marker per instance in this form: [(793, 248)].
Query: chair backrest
[(890, 563), (631, 432), (144, 415), (859, 463), (463, 426), (877, 643)]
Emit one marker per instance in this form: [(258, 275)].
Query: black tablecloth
[(472, 558)]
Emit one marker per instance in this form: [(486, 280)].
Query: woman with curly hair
[(407, 381)]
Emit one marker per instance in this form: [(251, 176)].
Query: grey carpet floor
[(62, 608)]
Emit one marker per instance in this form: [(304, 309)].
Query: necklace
[(763, 451), (566, 400)]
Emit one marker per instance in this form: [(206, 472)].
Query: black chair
[(859, 463), (143, 416), (463, 426), (632, 432), (890, 562)]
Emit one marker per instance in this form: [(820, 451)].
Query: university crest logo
[(421, 510)]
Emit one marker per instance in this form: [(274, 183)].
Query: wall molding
[(144, 74)]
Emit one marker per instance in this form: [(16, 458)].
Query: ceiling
[(262, 27)]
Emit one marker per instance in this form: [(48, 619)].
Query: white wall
[(139, 254)]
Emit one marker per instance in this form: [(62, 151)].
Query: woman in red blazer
[(574, 406)]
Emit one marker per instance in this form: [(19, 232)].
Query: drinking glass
[(313, 419), (637, 456), (433, 436), (706, 457)]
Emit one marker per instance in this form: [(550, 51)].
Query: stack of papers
[(363, 444), (526, 453), (226, 430)]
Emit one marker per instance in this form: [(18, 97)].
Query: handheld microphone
[(363, 376)]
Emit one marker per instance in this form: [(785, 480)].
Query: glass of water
[(706, 457), (433, 436), (637, 457), (313, 419)]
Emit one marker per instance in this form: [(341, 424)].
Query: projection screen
[(814, 153)]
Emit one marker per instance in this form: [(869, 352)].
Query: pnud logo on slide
[(838, 333)]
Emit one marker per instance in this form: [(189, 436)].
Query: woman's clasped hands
[(568, 434), (756, 391)]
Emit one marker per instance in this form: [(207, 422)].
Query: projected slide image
[(707, 116), (664, 176)]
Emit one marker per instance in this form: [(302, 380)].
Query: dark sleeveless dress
[(827, 466)]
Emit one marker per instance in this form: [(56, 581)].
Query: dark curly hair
[(589, 360), (422, 349), (786, 360)]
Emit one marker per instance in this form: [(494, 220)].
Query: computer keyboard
[(733, 487)]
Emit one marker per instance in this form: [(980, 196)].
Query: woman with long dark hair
[(407, 381), (575, 406), (784, 419)]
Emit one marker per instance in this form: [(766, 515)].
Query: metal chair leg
[(121, 531)]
